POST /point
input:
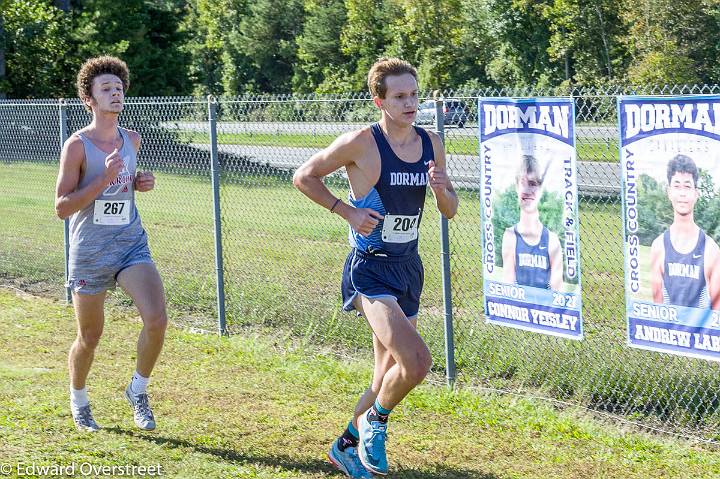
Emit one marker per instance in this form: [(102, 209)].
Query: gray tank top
[(111, 222)]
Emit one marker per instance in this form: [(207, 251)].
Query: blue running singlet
[(386, 264), (399, 195), (532, 262), (684, 275)]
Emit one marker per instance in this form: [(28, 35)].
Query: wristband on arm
[(332, 210)]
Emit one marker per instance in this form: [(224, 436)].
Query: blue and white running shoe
[(348, 462), (83, 419), (371, 447), (142, 414)]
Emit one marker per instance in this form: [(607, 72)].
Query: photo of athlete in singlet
[(108, 245), (532, 255), (389, 165), (684, 259)]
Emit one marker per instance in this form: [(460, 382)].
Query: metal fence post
[(445, 261), (66, 224), (215, 178)]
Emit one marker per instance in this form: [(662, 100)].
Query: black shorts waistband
[(382, 257)]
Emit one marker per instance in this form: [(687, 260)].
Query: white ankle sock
[(138, 385), (78, 397)]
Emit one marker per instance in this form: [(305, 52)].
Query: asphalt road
[(594, 178), (596, 132)]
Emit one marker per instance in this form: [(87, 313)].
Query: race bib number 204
[(400, 228), (109, 212)]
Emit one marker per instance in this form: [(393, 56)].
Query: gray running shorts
[(93, 273)]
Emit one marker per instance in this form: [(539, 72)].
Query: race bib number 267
[(109, 212)]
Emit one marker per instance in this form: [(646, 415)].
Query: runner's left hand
[(438, 177), (144, 181)]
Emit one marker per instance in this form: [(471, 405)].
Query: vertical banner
[(530, 255), (670, 161)]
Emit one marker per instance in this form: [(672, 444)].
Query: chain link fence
[(283, 255)]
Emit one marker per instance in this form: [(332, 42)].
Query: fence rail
[(225, 222)]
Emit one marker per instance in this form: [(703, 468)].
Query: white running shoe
[(142, 413)]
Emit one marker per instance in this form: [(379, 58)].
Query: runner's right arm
[(309, 180), (657, 258), (556, 262), (68, 199), (508, 255), (712, 270)]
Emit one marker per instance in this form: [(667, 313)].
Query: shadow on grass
[(312, 465), (439, 472)]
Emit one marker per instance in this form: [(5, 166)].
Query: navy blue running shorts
[(372, 276)]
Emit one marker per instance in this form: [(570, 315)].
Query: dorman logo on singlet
[(684, 270), (532, 261), (408, 179), (119, 184)]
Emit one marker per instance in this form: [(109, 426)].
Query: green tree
[(672, 41), (205, 45), (707, 209), (587, 39), (238, 69), (366, 35), (217, 63), (476, 46), (143, 33), (63, 5), (267, 37), (427, 34), (667, 66), (319, 51), (34, 43), (523, 33), (3, 86)]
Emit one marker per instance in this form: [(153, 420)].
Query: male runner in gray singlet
[(96, 189)]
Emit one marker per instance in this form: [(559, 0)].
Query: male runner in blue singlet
[(389, 165), (532, 254), (684, 259), (96, 189)]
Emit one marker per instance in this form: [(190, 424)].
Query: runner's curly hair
[(97, 66)]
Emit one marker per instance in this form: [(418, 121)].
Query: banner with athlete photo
[(530, 255), (670, 161)]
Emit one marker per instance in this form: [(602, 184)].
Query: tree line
[(235, 47)]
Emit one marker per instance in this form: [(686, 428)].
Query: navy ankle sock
[(349, 438), (378, 413)]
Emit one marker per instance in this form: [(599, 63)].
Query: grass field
[(283, 257), (264, 405), (587, 149)]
